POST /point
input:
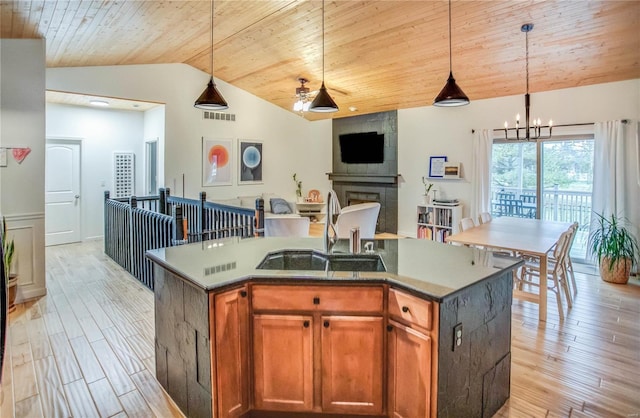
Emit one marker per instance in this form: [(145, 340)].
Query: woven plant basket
[(12, 290), (620, 272)]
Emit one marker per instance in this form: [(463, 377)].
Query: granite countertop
[(434, 270)]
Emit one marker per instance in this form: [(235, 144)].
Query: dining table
[(534, 237)]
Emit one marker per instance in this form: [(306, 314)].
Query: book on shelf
[(442, 234), (425, 232)]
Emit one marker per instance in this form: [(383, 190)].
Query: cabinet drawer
[(410, 309), (366, 299)]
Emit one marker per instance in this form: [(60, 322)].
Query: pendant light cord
[(526, 48), (322, 42), (450, 66), (211, 38)]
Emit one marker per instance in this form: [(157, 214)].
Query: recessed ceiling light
[(353, 108), (102, 103)]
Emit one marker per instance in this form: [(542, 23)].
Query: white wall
[(22, 124), (102, 132), (429, 131), (290, 143)]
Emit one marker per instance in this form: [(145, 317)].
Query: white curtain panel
[(481, 173), (616, 175)]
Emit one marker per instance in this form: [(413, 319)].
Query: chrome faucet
[(329, 240)]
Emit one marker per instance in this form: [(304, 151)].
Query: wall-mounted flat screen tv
[(362, 148)]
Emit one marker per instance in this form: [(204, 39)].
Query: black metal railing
[(135, 225)]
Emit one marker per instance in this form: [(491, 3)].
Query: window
[(550, 179)]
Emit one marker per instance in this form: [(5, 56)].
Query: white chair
[(362, 215), (466, 223), (484, 217), (295, 226)]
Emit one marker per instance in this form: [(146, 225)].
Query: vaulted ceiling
[(379, 55)]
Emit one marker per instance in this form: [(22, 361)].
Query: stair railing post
[(178, 226), (133, 203), (259, 219), (162, 201), (201, 216), (105, 214)]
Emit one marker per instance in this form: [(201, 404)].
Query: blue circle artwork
[(251, 157)]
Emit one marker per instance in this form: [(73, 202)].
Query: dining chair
[(556, 274), (528, 198), (466, 223), (573, 229), (511, 207), (484, 217)]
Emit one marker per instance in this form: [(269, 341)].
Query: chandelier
[(303, 97), (533, 129)]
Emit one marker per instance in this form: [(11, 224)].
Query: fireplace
[(352, 190), (355, 197), (369, 182)]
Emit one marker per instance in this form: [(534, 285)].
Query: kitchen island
[(301, 337)]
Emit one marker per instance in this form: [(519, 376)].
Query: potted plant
[(8, 250), (298, 187), (615, 248), (427, 189)]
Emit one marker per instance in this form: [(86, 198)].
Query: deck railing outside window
[(557, 205)]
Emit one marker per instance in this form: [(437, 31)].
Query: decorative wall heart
[(20, 154)]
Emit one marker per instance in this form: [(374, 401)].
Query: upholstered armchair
[(363, 215)]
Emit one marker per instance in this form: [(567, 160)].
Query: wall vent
[(230, 117), (123, 174)]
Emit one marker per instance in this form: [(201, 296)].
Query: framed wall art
[(250, 162), (436, 166), (217, 162), (451, 170)]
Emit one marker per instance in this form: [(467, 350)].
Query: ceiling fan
[(304, 96)]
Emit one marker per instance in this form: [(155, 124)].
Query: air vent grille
[(230, 117)]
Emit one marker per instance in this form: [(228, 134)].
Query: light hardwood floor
[(86, 349)]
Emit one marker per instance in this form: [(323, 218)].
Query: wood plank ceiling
[(379, 55)]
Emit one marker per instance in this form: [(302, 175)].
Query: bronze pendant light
[(451, 95), (211, 99), (323, 103)]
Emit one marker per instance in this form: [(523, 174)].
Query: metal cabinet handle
[(77, 196), (305, 324), (389, 328), (405, 309), (316, 301), (243, 293), (326, 324)]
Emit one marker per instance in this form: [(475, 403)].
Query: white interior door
[(62, 192)]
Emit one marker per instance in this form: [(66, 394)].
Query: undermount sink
[(315, 260)]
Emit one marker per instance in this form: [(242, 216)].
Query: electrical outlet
[(457, 336)]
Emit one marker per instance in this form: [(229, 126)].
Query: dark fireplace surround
[(358, 183)]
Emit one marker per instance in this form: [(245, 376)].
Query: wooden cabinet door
[(352, 365), (283, 362), (409, 373), (231, 353)]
